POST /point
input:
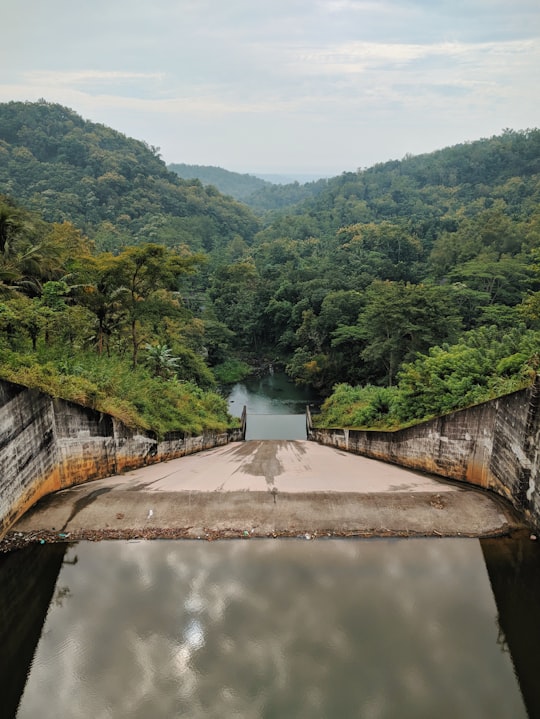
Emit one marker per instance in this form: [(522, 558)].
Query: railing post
[(244, 422), (309, 422)]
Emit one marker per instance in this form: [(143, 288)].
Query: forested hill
[(116, 189), (236, 184), (503, 167), (262, 196), (478, 170), (416, 280), (385, 266)]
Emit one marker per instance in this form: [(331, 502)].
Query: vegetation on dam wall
[(49, 444), (494, 445)]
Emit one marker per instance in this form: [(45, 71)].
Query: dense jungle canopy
[(402, 290)]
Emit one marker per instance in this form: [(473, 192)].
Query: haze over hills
[(240, 185), (289, 178), (415, 279), (262, 193), (236, 184)]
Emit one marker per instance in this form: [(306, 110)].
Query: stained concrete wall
[(494, 445), (49, 444)]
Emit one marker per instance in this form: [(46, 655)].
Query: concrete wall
[(494, 445), (49, 444)]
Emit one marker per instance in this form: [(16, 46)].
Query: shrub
[(231, 371)]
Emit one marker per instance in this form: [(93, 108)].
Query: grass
[(108, 384)]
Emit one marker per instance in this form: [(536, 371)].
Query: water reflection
[(27, 582), (371, 629), (513, 565), (271, 394)]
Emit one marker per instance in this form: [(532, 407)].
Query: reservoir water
[(271, 629)]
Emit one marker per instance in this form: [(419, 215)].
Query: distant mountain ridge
[(290, 178), (118, 190), (241, 186), (237, 185), (262, 193)]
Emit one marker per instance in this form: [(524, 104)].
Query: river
[(271, 629), (276, 407)]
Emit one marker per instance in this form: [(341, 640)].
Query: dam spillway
[(262, 488)]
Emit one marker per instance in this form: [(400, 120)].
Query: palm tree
[(161, 360), (27, 256), (11, 224)]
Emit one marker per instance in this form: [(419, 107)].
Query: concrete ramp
[(263, 488)]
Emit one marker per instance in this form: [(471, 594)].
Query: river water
[(273, 629), (276, 407)]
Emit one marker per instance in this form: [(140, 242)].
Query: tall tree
[(399, 320), (140, 273)]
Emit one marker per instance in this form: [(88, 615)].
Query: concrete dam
[(337, 482)]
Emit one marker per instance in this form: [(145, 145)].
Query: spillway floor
[(267, 488)]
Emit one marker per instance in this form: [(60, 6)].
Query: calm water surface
[(274, 629), (276, 407)]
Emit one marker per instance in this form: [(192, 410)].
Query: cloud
[(260, 84), (324, 83), (359, 56), (81, 77), (354, 6)]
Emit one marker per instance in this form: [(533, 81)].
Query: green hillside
[(411, 287), (237, 185), (385, 264), (116, 189), (429, 187)]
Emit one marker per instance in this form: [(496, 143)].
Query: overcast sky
[(318, 86)]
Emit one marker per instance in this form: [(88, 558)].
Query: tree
[(484, 363), (399, 320), (160, 360), (391, 245), (132, 290), (236, 296), (32, 253), (503, 280), (15, 227), (99, 292), (530, 307), (139, 273)]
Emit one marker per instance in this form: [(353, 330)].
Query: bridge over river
[(261, 488)]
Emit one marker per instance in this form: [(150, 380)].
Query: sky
[(282, 86)]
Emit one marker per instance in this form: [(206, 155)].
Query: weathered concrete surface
[(268, 488), (279, 465), (495, 445), (48, 444)]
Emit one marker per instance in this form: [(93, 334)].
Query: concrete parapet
[(494, 445), (49, 444)]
